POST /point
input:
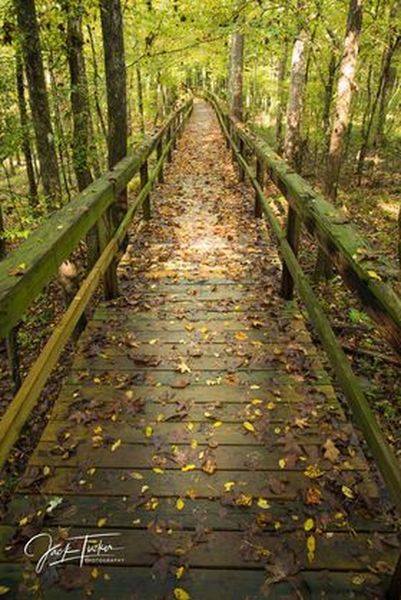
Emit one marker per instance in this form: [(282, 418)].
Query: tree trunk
[(295, 100), (328, 97), (28, 27), (282, 67), (26, 143), (235, 81), (341, 121), (79, 97), (96, 83), (345, 90), (114, 57), (140, 99)]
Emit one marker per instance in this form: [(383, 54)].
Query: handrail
[(352, 256), (381, 451), (23, 402), (26, 271)]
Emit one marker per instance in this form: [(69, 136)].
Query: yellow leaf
[(136, 476), (374, 275), (95, 573), (182, 367), (102, 522), (98, 429), (282, 463), (217, 424), (228, 486), (180, 594), (23, 521), (241, 336), (313, 472), (153, 342), (244, 500), (148, 431), (46, 471), (188, 468), (180, 504), (116, 445), (189, 327), (152, 504), (4, 590), (158, 471), (309, 524), (179, 572), (348, 493), (263, 503), (160, 417), (91, 471), (248, 426), (194, 444), (311, 547)]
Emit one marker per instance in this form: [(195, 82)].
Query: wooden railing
[(25, 272), (352, 258)]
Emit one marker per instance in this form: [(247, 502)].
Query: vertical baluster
[(260, 176), (159, 151), (144, 173), (105, 232), (13, 358), (293, 227)]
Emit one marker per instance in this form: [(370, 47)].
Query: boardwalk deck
[(200, 425)]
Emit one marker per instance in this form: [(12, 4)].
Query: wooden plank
[(283, 484), (121, 512), (230, 549), (141, 456), (245, 583)]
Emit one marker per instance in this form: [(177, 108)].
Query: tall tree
[(345, 90), (281, 74), (295, 100), (236, 69), (79, 95), (341, 119), (292, 146), (31, 48), (114, 57), (26, 142)]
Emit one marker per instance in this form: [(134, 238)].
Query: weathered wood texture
[(227, 472)]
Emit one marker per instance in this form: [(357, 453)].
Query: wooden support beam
[(260, 177), (293, 227), (159, 151), (144, 180), (13, 358)]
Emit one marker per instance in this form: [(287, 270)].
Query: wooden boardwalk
[(199, 424)]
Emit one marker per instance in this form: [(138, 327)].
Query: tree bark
[(282, 67), (26, 143), (295, 100), (235, 80), (345, 90), (31, 47), (341, 121), (140, 99), (114, 55), (79, 97)]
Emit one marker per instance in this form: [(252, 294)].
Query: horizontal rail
[(353, 257), (382, 453), (23, 402), (27, 270)]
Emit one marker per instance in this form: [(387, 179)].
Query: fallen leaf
[(180, 504), (331, 451), (309, 524), (180, 594), (248, 426), (311, 547), (101, 522), (263, 503), (116, 445)]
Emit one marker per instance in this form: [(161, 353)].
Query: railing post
[(144, 180), (241, 147), (159, 152), (105, 232), (13, 358), (260, 177), (293, 226), (168, 139)]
